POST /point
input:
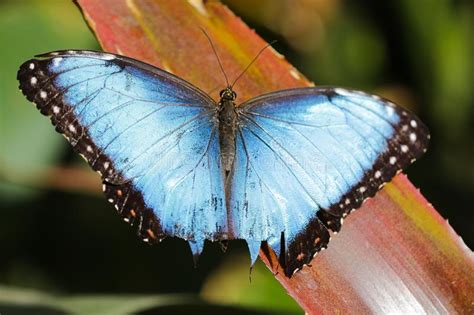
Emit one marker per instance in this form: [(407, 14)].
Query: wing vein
[(323, 154), (163, 103), (193, 169), (283, 161), (290, 121), (164, 137), (261, 181)]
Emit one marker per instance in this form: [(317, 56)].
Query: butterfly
[(283, 168)]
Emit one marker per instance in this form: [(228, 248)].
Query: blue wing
[(151, 135), (307, 157)]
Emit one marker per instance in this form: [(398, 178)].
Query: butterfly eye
[(234, 95), (221, 93)]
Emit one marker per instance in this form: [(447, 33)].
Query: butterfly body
[(282, 168), (227, 128)]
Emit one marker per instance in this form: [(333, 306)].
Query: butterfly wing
[(151, 135), (307, 157)]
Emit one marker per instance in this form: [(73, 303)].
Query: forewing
[(151, 135), (307, 157)]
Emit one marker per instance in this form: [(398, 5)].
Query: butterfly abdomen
[(227, 132)]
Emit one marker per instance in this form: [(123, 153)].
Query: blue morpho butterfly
[(282, 168)]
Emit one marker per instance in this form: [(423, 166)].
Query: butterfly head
[(228, 94)]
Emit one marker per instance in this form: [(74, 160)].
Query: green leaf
[(28, 143)]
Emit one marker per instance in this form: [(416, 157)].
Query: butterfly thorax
[(227, 128)]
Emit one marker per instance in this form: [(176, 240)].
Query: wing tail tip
[(254, 250), (197, 247), (302, 248)]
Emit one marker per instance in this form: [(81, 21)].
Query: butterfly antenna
[(251, 62), (217, 56)]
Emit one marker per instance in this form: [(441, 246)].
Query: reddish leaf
[(395, 254), (168, 35)]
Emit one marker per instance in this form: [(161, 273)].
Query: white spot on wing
[(378, 174), (57, 61), (393, 160), (404, 148), (107, 57), (43, 94), (413, 123), (72, 128), (33, 80), (412, 137), (390, 110), (56, 109), (32, 66)]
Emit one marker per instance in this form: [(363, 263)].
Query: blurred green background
[(63, 247)]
